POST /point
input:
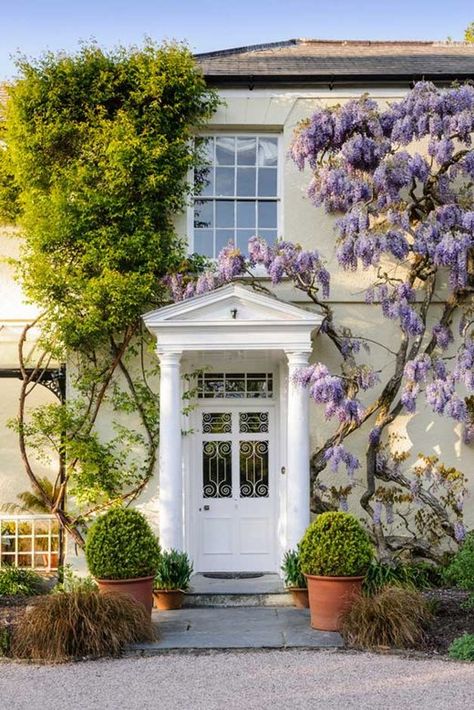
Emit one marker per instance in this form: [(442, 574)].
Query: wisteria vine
[(400, 181)]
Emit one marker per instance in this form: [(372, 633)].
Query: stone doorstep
[(194, 600), (266, 590), (235, 628)]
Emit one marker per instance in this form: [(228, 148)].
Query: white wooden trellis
[(36, 555)]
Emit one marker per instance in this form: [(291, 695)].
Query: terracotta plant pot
[(140, 589), (329, 597), (300, 597), (166, 599)]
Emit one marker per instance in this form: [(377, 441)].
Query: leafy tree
[(400, 179), (96, 149), (469, 33)]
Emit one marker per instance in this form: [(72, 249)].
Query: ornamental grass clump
[(121, 545), (394, 617), (64, 626), (335, 545)]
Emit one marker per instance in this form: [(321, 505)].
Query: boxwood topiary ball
[(335, 545), (121, 545)]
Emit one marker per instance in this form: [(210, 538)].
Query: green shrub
[(393, 617), (411, 576), (335, 545), (460, 571), (121, 545), (61, 627), (15, 582), (291, 569), (174, 571), (462, 648), (73, 583)]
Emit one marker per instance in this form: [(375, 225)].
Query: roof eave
[(261, 80)]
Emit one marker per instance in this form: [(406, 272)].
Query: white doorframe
[(193, 453)]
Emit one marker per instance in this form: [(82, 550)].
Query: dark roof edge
[(253, 80), (247, 48)]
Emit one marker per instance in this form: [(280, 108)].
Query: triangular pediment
[(231, 303)]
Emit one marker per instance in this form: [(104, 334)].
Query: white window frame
[(278, 198)]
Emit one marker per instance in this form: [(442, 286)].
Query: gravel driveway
[(250, 680)]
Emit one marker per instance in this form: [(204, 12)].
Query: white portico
[(234, 489)]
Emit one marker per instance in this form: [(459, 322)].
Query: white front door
[(235, 496)]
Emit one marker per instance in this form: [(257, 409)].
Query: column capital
[(298, 358), (168, 357)]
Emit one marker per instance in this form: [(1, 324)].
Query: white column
[(298, 489), (171, 475)]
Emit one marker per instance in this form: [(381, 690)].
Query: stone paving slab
[(235, 627)]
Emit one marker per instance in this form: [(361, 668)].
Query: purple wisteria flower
[(459, 531), (338, 455)]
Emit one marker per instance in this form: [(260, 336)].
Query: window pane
[(253, 422), (246, 182), (206, 146), (204, 180), (217, 469), (246, 214), (225, 151), (246, 151), (267, 215), (203, 214), (204, 242), (253, 469), (267, 151), (267, 182), (224, 181), (243, 236), (270, 235), (225, 213), (217, 423), (223, 237)]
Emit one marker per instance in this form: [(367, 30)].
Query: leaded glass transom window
[(235, 385), (239, 196)]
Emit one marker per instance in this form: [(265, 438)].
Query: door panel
[(234, 483)]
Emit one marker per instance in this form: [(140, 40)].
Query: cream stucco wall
[(278, 112), (15, 312)]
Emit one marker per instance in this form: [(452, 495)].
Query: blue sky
[(32, 26)]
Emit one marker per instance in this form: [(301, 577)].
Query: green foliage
[(411, 576), (462, 648), (62, 627), (121, 545), (31, 501), (100, 146), (174, 571), (393, 617), (95, 152), (460, 571), (71, 582), (335, 545), (15, 582), (291, 569), (469, 33)]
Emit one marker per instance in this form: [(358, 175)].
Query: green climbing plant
[(95, 152)]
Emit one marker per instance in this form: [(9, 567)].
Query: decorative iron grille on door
[(236, 465)]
